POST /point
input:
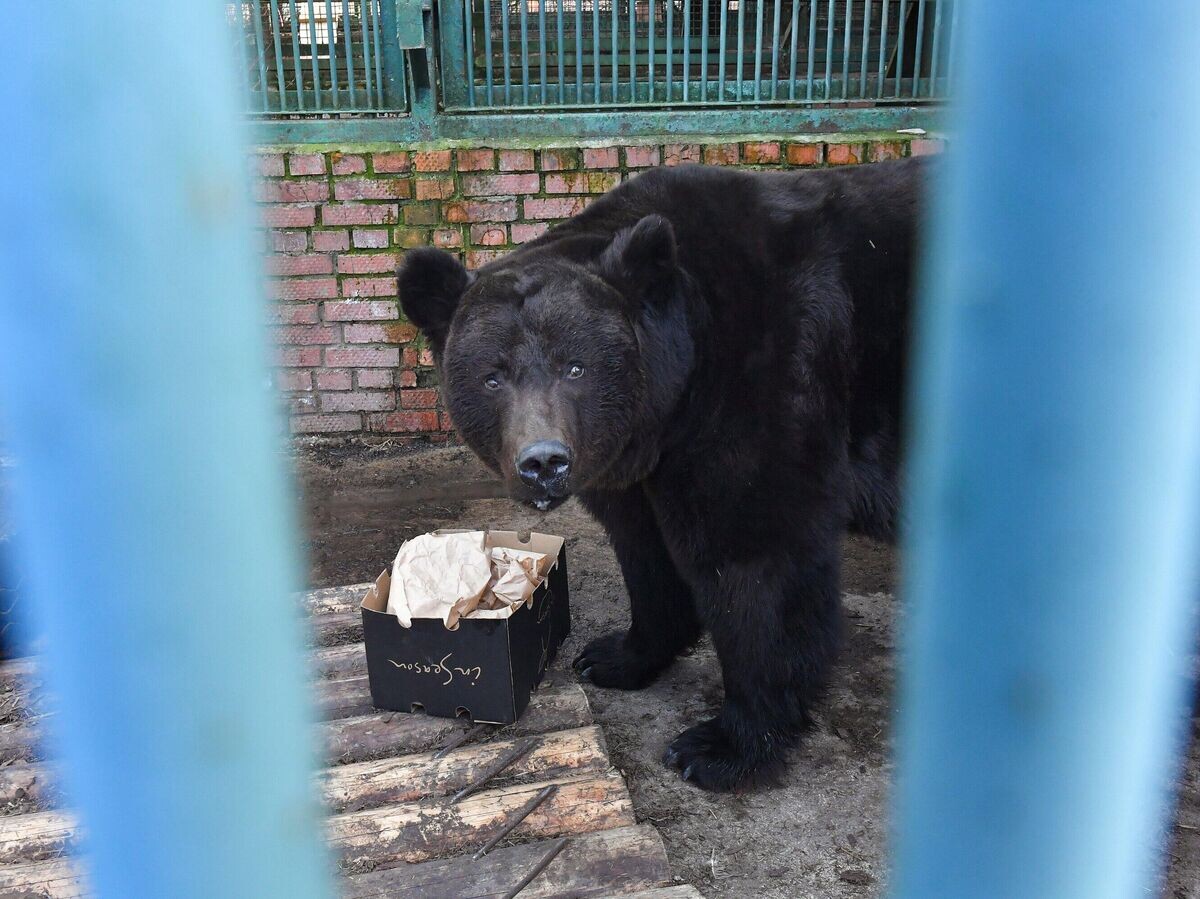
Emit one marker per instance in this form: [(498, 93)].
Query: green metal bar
[(299, 69), (758, 48), (487, 48), (952, 40), (775, 47), (279, 66), (687, 45), (936, 49), (902, 22), (787, 121), (504, 46), (347, 33), (469, 37), (866, 47), (542, 45), (395, 77), (245, 56), (558, 8), (333, 75), (649, 52), (364, 8), (670, 4), (883, 27), (524, 20), (721, 49), (704, 48), (632, 52), (378, 55), (812, 47), (916, 91), (829, 30), (261, 47), (846, 52), (741, 47), (613, 9)]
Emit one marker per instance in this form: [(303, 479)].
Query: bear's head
[(560, 363)]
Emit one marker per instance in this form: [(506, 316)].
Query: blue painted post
[(150, 497), (1052, 553)]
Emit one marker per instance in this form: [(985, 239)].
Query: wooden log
[(429, 828), (402, 832), (335, 628), (605, 863), (675, 892), (326, 600), (349, 660), (361, 738), (411, 777), (58, 878)]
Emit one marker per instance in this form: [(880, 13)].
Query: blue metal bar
[(951, 58), (741, 45), (469, 37), (318, 102), (846, 52), (917, 52), (487, 49), (1051, 562), (650, 51), (775, 48), (347, 33), (240, 32), (579, 65), (758, 48), (612, 5), (260, 45), (670, 5), (935, 52), (375, 14), (812, 46), (687, 45), (704, 4), (504, 46), (866, 47), (721, 51), (883, 34), (792, 54), (902, 23), (542, 46), (279, 68), (524, 20), (829, 30), (160, 573), (561, 51), (333, 75), (596, 48), (296, 66), (364, 8), (632, 52)]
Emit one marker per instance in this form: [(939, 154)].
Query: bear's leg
[(776, 635), (664, 620)]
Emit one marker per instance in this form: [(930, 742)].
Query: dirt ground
[(824, 833)]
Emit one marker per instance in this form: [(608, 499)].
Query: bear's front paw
[(705, 756), (609, 661)]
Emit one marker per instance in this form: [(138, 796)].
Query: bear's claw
[(609, 661), (706, 757)]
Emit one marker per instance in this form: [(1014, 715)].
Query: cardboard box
[(486, 668)]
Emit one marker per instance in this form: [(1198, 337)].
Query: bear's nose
[(544, 464)]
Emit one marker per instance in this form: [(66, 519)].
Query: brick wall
[(338, 222)]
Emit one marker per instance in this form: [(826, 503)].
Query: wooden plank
[(676, 892), (357, 739), (328, 600), (416, 831), (58, 878), (412, 777), (349, 660), (605, 863), (403, 832)]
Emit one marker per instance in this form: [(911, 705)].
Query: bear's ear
[(431, 283), (641, 260)]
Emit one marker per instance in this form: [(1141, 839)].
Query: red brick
[(641, 157), (365, 334), (369, 287), (288, 216), (348, 164), (302, 289), (581, 183), (358, 401), (370, 238), (881, 150), (362, 357), (476, 160), (805, 154), (721, 154), (426, 357), (331, 241), (559, 160), (408, 238), (373, 377), (600, 158), (407, 379), (481, 211), (926, 147), (293, 380), (367, 263), (308, 264), (678, 154), (338, 379), (325, 424), (391, 162), (479, 258), (360, 214), (489, 235), (435, 188), (417, 399), (298, 357), (304, 335), (306, 164), (422, 214), (288, 241), (290, 191), (372, 189), (298, 403), (760, 153), (432, 161), (516, 160), (269, 165), (499, 185), (447, 239), (360, 311), (446, 423), (409, 359), (293, 314), (556, 208), (406, 422), (843, 154), (523, 233)]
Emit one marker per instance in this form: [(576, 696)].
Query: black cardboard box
[(486, 668)]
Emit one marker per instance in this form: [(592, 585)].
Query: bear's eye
[(575, 371), (491, 382)]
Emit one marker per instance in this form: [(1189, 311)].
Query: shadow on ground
[(824, 832)]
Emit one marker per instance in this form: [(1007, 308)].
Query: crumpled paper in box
[(453, 576)]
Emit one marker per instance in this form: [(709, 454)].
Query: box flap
[(377, 594)]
